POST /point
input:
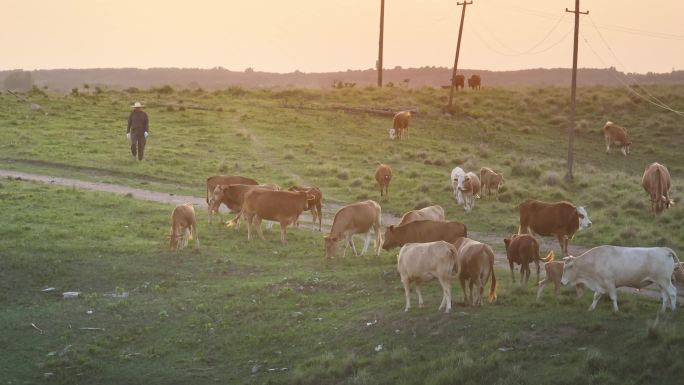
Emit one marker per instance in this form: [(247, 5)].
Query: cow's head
[(465, 183), (584, 220), (569, 271), (507, 242), (173, 239), (330, 245), (216, 197), (662, 204), (390, 238)]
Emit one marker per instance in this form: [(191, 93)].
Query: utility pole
[(573, 93), (382, 27), (458, 49)]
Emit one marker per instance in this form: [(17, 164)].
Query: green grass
[(233, 310)]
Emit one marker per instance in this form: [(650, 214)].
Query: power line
[(557, 42)]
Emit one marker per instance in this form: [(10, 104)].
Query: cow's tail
[(492, 287), (549, 257)]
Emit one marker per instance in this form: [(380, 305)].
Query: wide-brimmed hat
[(137, 105)]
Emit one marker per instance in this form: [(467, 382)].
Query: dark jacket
[(137, 122)]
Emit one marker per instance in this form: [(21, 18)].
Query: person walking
[(138, 130)]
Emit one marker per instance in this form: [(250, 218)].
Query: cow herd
[(433, 247)]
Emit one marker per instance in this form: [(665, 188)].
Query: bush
[(423, 203), (342, 173), (551, 178), (170, 108), (165, 90), (526, 168)]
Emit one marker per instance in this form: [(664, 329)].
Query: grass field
[(232, 311)]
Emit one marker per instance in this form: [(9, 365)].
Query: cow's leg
[(446, 295), (607, 145), (257, 223), (366, 242), (463, 289), (346, 245), (672, 292), (420, 295), (196, 235), (249, 227), (407, 291), (523, 279), (541, 289), (624, 150), (612, 293), (350, 239), (378, 239), (597, 296), (269, 225), (512, 265), (283, 233), (536, 262)]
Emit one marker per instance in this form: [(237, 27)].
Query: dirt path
[(329, 209)]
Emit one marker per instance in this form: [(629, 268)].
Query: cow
[(183, 227), (554, 273), (470, 188), (490, 179), (458, 81), (475, 263), (233, 196), (605, 268), (562, 219), (435, 213), (457, 176), (421, 262), (616, 135), (216, 180), (474, 82), (523, 249), (316, 206), (678, 275), (422, 232), (400, 124), (383, 175), (355, 218), (657, 183), (273, 205)]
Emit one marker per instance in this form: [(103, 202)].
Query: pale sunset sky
[(332, 35)]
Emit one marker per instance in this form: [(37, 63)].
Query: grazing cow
[(421, 262), (355, 218), (316, 206), (383, 175), (400, 123), (490, 179), (435, 213), (561, 219), (422, 232), (475, 263), (470, 189), (616, 135), (216, 180), (657, 183), (523, 249), (459, 81), (474, 82), (605, 268), (183, 226), (283, 207), (554, 273), (457, 177), (233, 196)]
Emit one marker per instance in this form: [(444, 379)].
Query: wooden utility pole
[(573, 93), (382, 28), (458, 49)]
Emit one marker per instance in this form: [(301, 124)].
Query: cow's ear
[(391, 227)]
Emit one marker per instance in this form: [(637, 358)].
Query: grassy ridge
[(232, 311)]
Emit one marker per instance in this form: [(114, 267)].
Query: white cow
[(457, 177), (421, 262), (605, 268)]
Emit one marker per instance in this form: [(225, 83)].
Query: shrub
[(356, 183), (342, 173), (523, 167), (423, 203), (132, 90), (170, 108), (551, 178), (289, 155)]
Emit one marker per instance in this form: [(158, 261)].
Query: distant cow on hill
[(474, 82), (657, 182), (489, 180), (617, 135), (400, 123), (383, 175), (459, 81)]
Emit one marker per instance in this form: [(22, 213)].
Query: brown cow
[(423, 231), (216, 180), (383, 175), (278, 206), (657, 183), (490, 179), (458, 81), (554, 273), (617, 135), (523, 249), (400, 123), (470, 190), (435, 213), (475, 263), (183, 226), (316, 206), (474, 82), (355, 218), (561, 219), (233, 196)]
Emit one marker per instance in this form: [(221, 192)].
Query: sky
[(336, 35)]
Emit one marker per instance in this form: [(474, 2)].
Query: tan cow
[(400, 123), (657, 183), (283, 207), (522, 249), (434, 213), (616, 135), (554, 273), (183, 226), (316, 206), (233, 196), (470, 189), (490, 180), (216, 180), (420, 263), (355, 218), (475, 263), (422, 232), (383, 175)]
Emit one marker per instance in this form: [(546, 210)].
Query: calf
[(233, 196), (617, 135), (356, 218), (475, 263), (422, 232), (457, 176), (420, 263), (657, 182), (216, 180), (554, 273), (490, 180), (523, 249), (383, 175), (400, 123), (183, 226), (283, 207), (315, 206), (471, 190), (434, 213), (605, 268)]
